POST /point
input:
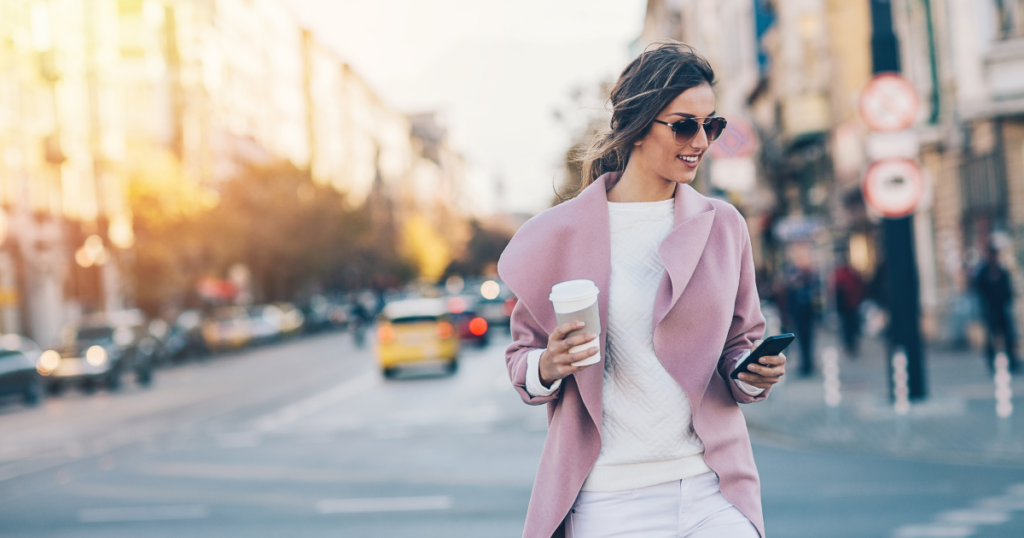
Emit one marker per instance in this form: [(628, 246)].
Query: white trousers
[(690, 508)]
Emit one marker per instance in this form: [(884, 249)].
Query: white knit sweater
[(647, 433)]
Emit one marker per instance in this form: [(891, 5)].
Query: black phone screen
[(770, 346)]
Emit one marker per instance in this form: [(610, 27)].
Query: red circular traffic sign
[(889, 103), (894, 186), (738, 140)]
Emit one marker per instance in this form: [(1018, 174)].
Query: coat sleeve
[(747, 323), (527, 336)]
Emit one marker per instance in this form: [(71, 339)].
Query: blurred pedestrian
[(629, 452), (361, 318), (995, 291), (849, 294), (801, 300)]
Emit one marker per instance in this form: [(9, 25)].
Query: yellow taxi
[(416, 332)]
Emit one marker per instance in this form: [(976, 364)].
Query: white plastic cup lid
[(573, 290)]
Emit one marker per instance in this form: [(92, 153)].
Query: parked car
[(340, 315), (291, 319), (227, 328), (494, 302), (188, 327), (471, 327), (18, 374), (317, 314), (100, 350), (265, 323), (415, 332)]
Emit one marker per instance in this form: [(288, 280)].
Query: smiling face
[(658, 155)]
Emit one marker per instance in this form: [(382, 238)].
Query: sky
[(494, 69)]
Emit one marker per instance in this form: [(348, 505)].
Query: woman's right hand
[(556, 361)]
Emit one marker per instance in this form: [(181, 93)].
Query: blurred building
[(88, 87), (62, 143), (796, 68)]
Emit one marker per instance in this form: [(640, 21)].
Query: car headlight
[(47, 362), (96, 356)]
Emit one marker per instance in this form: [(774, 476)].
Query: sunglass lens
[(685, 130), (714, 128)]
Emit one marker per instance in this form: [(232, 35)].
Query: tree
[(291, 233), (166, 207), (482, 252)]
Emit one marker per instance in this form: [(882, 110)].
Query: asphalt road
[(306, 439)]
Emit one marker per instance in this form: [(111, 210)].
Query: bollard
[(1004, 399), (833, 396), (901, 393)]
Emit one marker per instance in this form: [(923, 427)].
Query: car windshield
[(95, 333)]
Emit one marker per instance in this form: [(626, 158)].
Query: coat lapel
[(682, 248), (593, 231)]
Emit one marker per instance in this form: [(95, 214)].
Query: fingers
[(569, 358), (758, 381), (766, 373), (577, 340), (562, 364), (564, 329), (580, 355), (773, 360)]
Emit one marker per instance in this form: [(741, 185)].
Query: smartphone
[(773, 345)]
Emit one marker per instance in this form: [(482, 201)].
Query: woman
[(649, 441)]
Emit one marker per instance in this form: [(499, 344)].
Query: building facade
[(812, 59), (89, 87)]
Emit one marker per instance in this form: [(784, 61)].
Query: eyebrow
[(687, 115)]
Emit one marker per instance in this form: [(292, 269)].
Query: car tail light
[(445, 330), (385, 333), (478, 326)]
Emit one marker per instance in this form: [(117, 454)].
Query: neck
[(638, 185)]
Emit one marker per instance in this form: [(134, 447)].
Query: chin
[(685, 179)]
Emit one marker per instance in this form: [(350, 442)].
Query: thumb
[(756, 343)]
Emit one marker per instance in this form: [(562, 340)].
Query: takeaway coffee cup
[(576, 300)]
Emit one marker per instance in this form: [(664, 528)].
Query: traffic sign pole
[(901, 266)]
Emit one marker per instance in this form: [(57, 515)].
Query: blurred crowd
[(790, 76)]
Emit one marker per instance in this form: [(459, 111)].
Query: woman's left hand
[(767, 372)]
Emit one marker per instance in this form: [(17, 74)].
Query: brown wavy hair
[(646, 86)]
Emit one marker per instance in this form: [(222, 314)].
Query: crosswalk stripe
[(384, 504), (143, 513)]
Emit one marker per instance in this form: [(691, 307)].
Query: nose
[(700, 141)]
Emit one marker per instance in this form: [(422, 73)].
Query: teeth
[(689, 158)]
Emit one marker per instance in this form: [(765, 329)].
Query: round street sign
[(738, 140), (893, 187), (889, 103)]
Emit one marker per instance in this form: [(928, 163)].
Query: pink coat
[(706, 314)]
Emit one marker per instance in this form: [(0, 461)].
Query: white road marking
[(933, 531), (383, 504), (975, 517), (965, 522), (143, 513), (318, 402), (238, 440)]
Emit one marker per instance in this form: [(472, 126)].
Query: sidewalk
[(957, 423)]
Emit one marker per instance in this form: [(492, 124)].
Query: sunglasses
[(686, 129)]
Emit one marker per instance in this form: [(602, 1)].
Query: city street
[(305, 438)]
